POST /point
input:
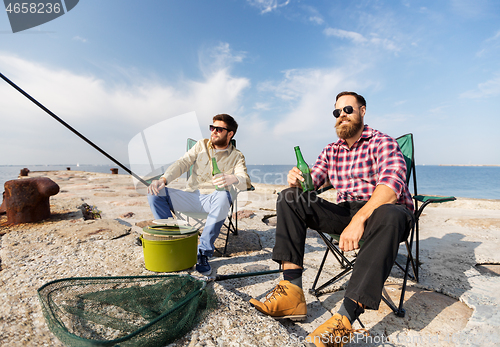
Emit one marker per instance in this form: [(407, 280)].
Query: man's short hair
[(361, 101), (230, 122)]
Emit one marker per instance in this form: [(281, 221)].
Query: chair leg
[(231, 228), (414, 264), (234, 207), (400, 311), (388, 303), (341, 262), (229, 225), (313, 288), (339, 254), (227, 239), (417, 251)]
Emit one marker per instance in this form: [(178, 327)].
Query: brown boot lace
[(278, 291), (337, 337)]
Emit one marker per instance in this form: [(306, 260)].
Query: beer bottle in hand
[(307, 185), (216, 171)]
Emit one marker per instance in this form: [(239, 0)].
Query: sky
[(113, 69)]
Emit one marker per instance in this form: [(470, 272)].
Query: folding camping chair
[(232, 226), (331, 240)]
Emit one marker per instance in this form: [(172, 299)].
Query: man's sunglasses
[(347, 110), (217, 129)]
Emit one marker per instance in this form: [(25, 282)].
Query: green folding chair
[(331, 240)]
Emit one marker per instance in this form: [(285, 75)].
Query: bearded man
[(374, 205), (216, 204)]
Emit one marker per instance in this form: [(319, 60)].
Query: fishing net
[(125, 311)]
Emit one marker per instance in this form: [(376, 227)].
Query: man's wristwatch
[(164, 180)]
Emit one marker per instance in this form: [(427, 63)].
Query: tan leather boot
[(285, 301), (335, 332)]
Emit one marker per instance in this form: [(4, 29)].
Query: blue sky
[(116, 67)]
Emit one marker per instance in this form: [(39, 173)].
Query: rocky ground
[(456, 301)]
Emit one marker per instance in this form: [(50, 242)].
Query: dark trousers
[(387, 227)]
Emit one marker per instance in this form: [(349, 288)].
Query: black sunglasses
[(217, 129), (347, 110)]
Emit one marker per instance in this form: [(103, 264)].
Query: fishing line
[(73, 129)]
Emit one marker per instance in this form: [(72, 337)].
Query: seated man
[(230, 162), (368, 170)]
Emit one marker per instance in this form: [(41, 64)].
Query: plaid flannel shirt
[(355, 172)]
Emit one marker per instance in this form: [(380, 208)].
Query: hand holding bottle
[(224, 180), (295, 177)]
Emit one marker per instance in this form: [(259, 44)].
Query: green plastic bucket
[(169, 251)]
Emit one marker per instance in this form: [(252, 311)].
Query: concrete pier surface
[(456, 301)]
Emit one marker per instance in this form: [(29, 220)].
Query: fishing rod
[(240, 275), (72, 129)]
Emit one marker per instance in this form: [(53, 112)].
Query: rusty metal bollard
[(27, 200), (24, 172), (2, 206)]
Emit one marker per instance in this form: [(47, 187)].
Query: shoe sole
[(295, 318), (205, 273)]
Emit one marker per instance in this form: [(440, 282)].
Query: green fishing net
[(125, 311)]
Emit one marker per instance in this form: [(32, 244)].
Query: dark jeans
[(387, 227)]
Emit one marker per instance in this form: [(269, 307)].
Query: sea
[(478, 182)]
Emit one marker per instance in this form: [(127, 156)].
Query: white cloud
[(440, 110), (311, 94), (486, 89), (359, 39), (316, 19), (385, 43), (494, 37), (491, 44), (109, 115), (300, 114), (265, 106), (266, 6), (81, 39), (219, 57), (313, 15), (350, 35), (472, 9)]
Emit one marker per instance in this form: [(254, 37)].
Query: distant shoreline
[(288, 165), (493, 165)]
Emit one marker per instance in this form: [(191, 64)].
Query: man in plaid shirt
[(368, 170)]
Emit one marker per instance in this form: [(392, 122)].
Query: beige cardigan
[(230, 161)]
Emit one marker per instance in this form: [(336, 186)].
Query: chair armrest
[(426, 200), (434, 199), (149, 180)]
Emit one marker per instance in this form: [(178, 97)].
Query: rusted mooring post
[(24, 172), (27, 200)]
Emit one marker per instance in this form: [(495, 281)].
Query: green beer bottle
[(307, 185), (216, 171)]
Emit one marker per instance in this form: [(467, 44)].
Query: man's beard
[(348, 130), (221, 141)]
